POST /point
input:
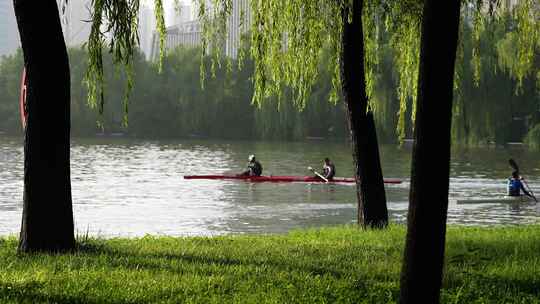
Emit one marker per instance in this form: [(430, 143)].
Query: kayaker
[(328, 170), (254, 167), (515, 186)]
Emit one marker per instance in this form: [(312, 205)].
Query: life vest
[(329, 171), (255, 168), (514, 187)]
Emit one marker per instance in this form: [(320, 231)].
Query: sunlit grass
[(341, 264)]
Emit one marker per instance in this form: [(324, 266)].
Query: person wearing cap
[(254, 167), (328, 170)]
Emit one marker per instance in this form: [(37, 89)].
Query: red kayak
[(284, 178)]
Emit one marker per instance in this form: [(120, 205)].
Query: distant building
[(9, 34), (237, 25), (470, 9), (510, 3), (184, 15), (147, 26), (188, 33), (76, 22), (185, 34)]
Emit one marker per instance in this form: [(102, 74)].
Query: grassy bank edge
[(324, 265)]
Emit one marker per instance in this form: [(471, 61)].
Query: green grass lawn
[(330, 265)]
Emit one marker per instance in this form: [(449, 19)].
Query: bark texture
[(372, 210), (47, 221), (424, 250)]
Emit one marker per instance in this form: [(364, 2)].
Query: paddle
[(319, 175), (515, 166)]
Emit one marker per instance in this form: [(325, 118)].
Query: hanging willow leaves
[(114, 26), (160, 26), (286, 42), (527, 36), (403, 22), (516, 52), (288, 38)]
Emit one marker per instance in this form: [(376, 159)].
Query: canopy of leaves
[(115, 24), (287, 38)]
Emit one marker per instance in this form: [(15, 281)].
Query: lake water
[(126, 187)]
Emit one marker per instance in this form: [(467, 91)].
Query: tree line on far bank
[(172, 104)]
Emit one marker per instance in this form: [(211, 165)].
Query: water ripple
[(124, 187)]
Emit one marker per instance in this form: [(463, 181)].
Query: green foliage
[(489, 107), (527, 32), (172, 103), (403, 22), (10, 82), (119, 19), (329, 265), (160, 26), (533, 137), (523, 26), (287, 40)]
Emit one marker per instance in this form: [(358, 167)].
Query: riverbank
[(341, 264)]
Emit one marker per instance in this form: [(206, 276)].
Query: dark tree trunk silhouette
[(372, 210), (47, 221), (424, 251)]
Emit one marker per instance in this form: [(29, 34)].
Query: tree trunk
[(47, 221), (424, 251), (372, 211)]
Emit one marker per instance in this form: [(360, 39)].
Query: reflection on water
[(130, 188)]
